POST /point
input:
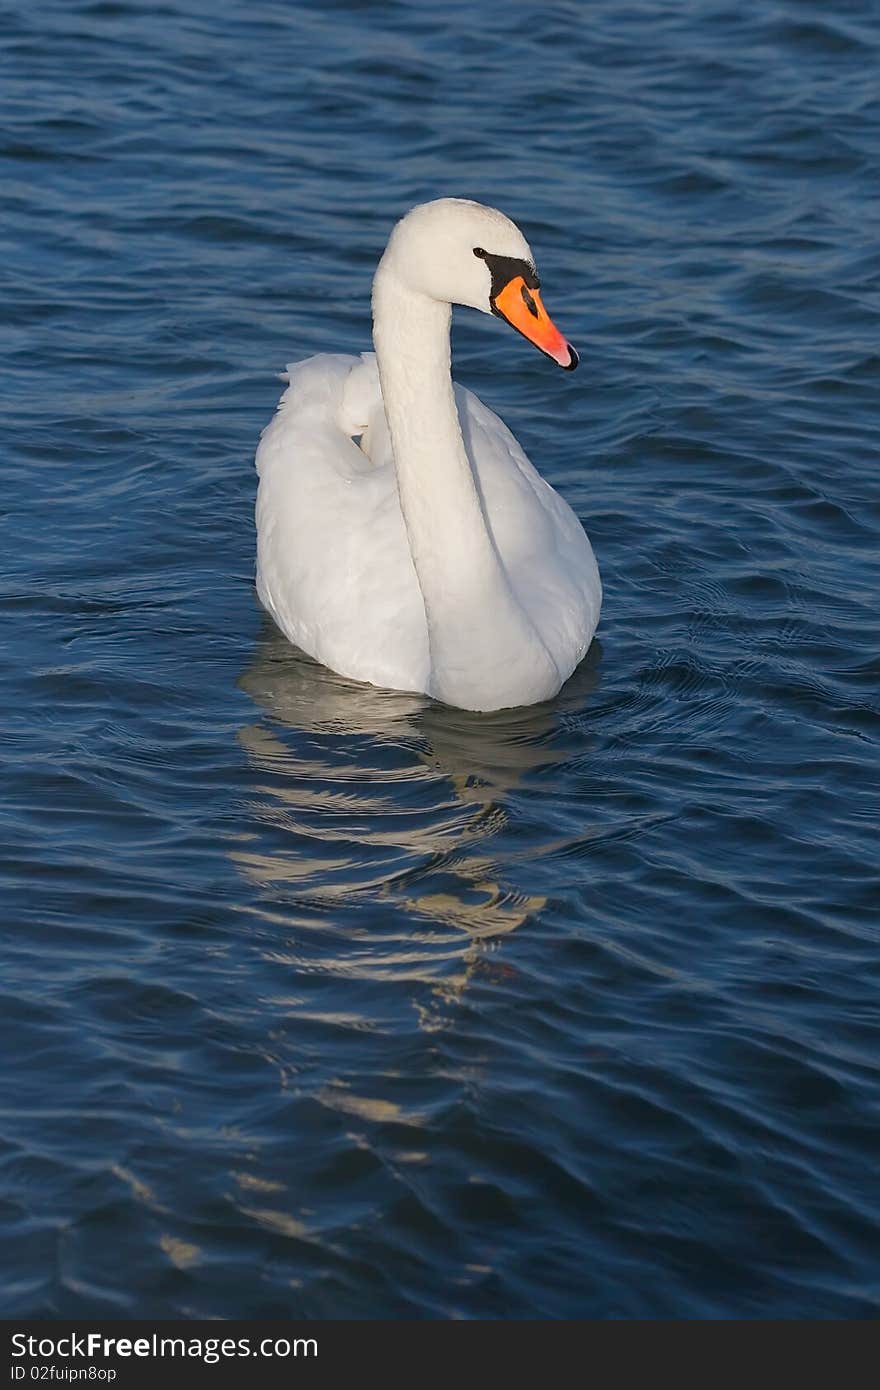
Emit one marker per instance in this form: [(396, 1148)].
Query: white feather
[(481, 587)]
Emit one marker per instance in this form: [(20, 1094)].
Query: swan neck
[(476, 629)]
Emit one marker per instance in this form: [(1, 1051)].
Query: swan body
[(403, 537)]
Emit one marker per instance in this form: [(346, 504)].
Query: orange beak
[(522, 308)]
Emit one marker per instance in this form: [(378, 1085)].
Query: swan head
[(458, 252)]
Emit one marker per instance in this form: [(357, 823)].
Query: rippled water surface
[(328, 1001)]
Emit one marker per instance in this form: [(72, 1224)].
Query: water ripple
[(325, 1001)]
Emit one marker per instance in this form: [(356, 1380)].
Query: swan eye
[(478, 251)]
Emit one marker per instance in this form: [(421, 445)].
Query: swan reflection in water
[(378, 816)]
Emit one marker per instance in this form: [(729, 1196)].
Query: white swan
[(431, 556)]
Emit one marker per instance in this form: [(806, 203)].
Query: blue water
[(324, 1001)]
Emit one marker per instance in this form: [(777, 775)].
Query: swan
[(403, 537)]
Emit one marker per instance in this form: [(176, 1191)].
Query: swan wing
[(333, 562), (545, 551)]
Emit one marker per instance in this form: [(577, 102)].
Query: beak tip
[(573, 359)]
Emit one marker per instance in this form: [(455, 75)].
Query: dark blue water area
[(324, 1001)]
